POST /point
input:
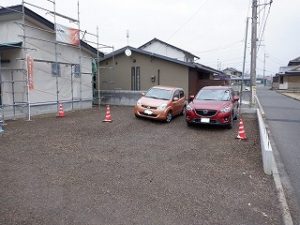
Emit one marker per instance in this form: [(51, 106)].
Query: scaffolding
[(19, 84)]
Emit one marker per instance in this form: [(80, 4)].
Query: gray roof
[(294, 62), (295, 71), (11, 45), (290, 71), (162, 57), (232, 69)]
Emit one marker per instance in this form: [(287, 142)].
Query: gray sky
[(214, 30)]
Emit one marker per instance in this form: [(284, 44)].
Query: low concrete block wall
[(120, 97), (266, 148), (21, 111)]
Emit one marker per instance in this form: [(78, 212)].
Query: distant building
[(232, 72), (288, 77), (236, 78), (127, 72)]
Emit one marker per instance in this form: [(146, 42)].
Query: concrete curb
[(266, 148), (286, 215)]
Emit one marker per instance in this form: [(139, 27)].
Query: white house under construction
[(43, 63)]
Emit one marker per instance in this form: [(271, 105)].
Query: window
[(176, 94), (211, 94), (138, 78), (55, 67), (181, 94), (159, 93), (76, 70), (281, 79), (94, 82), (135, 78), (0, 95)]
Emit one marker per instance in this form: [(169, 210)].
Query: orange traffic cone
[(61, 112), (107, 115), (242, 134)]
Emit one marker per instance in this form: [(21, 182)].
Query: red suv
[(213, 105)]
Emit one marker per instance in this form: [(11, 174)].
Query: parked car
[(213, 105), (161, 103)]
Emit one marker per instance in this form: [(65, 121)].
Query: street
[(283, 117)]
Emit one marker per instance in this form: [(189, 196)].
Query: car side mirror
[(175, 99), (191, 98), (143, 93), (236, 98)]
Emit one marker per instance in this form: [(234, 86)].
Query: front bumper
[(152, 113), (218, 119)]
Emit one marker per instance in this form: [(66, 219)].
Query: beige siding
[(290, 83), (116, 74), (293, 82)]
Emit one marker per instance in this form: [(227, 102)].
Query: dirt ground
[(78, 170)]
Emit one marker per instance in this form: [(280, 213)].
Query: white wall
[(162, 49), (10, 30), (285, 83), (44, 82)]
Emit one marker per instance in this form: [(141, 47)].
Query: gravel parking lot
[(78, 170)]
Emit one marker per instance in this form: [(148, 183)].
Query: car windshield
[(216, 95), (159, 93)]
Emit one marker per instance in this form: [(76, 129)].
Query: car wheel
[(183, 110), (230, 125), (235, 116), (189, 124), (169, 117)]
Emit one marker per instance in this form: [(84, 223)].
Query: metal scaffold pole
[(98, 72), (13, 93), (1, 89), (244, 60), (56, 58), (25, 61), (80, 54), (54, 93)]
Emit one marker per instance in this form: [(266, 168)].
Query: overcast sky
[(214, 30)]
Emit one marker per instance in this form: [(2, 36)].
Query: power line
[(221, 48), (264, 25), (187, 21)]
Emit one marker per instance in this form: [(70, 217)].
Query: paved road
[(283, 117)]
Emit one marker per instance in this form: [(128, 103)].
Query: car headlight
[(162, 107), (188, 108), (226, 109), (139, 102)]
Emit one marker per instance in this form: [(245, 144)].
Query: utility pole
[(253, 52), (264, 71), (244, 61)]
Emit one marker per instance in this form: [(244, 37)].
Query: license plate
[(205, 120), (148, 112)]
